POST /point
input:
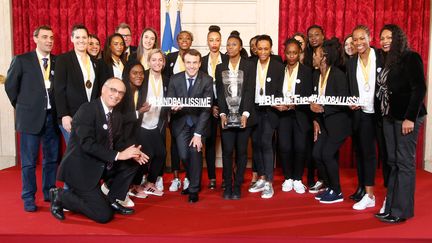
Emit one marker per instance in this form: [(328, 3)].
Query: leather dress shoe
[(381, 215), (193, 197), (392, 219), (212, 184), (358, 194), (56, 207), (236, 194), (118, 208), (185, 191)]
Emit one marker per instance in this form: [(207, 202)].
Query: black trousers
[(325, 154), (364, 128), (92, 202), (401, 159), (292, 146), (153, 144), (234, 138), (262, 138), (210, 148), (382, 150), (191, 157)]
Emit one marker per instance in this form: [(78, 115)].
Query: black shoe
[(392, 219), (56, 206), (358, 194), (227, 194), (193, 197), (236, 193), (381, 215), (212, 184), (30, 206), (118, 208), (185, 191)]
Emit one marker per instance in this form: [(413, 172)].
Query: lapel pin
[(298, 81), (268, 79), (171, 64), (105, 126), (379, 69)]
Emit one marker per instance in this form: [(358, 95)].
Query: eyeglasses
[(126, 36), (116, 91)]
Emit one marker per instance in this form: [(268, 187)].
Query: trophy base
[(233, 125)]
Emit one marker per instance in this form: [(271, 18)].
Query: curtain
[(99, 16), (338, 18)]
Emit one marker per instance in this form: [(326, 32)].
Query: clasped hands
[(134, 152)]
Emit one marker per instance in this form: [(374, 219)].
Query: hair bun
[(235, 32), (214, 28)]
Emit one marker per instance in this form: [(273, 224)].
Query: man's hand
[(407, 127), (215, 111), (144, 108), (224, 121), (317, 130), (316, 108), (131, 152), (196, 143), (67, 123)]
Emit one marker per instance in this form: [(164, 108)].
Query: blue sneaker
[(30, 206), (332, 197), (320, 194)]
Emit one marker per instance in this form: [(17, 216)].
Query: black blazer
[(202, 88), (169, 64), (105, 71), (204, 68), (303, 89), (26, 90), (69, 88), (273, 85), (248, 89), (142, 97), (335, 118), (407, 88), (351, 70), (88, 150)]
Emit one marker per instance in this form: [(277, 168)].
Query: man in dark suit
[(125, 30), (28, 86), (75, 82), (189, 125), (92, 155)]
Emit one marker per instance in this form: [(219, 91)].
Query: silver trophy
[(233, 81)]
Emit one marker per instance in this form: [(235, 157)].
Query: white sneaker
[(128, 203), (316, 188), (104, 188), (299, 187), (175, 185), (268, 191), (185, 183), (365, 202), (159, 183), (287, 185), (258, 187), (382, 210)]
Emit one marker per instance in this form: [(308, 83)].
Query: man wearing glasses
[(125, 30), (97, 150)]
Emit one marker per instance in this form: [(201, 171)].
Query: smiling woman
[(113, 60)]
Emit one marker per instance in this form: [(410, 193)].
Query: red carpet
[(285, 217)]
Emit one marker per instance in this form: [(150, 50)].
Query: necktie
[(189, 120), (110, 137), (190, 86), (45, 63)]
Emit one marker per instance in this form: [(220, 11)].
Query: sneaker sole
[(154, 194), (256, 190), (330, 202), (359, 209), (267, 197), (285, 190)]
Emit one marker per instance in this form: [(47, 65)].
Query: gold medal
[(261, 91), (88, 84)]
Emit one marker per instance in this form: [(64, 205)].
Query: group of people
[(100, 101)]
